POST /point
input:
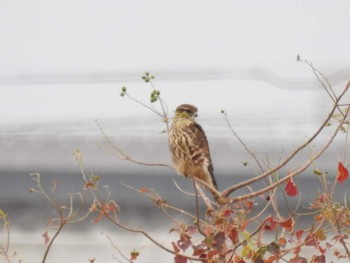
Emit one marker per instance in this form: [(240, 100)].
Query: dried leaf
[(134, 254), (46, 237), (320, 234), (273, 248)]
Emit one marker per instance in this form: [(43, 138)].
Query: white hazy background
[(63, 63)]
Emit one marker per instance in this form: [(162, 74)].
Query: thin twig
[(242, 142), (197, 208), (116, 248), (149, 237), (120, 154), (62, 224), (233, 188), (291, 175)]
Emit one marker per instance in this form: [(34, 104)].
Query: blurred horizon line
[(269, 76)]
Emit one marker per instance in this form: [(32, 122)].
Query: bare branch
[(242, 142), (291, 175), (149, 237), (233, 188), (121, 155)]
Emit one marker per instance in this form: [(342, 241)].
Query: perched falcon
[(189, 146)]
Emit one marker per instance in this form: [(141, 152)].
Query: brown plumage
[(189, 146)]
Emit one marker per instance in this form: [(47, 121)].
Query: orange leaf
[(291, 188), (144, 190), (90, 185), (244, 224), (271, 259), (320, 235), (282, 242), (318, 218), (212, 253), (343, 173)]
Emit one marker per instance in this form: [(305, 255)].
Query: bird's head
[(186, 111)]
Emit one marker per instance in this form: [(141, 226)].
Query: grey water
[(48, 150)]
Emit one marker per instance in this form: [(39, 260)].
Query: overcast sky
[(65, 60)]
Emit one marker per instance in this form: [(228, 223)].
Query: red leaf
[(298, 260), (299, 234), (318, 259), (228, 212), (184, 242), (343, 173), (212, 253), (291, 188), (311, 240), (180, 259), (46, 237), (288, 224), (269, 223), (219, 240), (233, 235)]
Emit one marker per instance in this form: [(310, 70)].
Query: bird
[(189, 146)]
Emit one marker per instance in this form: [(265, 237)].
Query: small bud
[(122, 94), (123, 89), (157, 92), (146, 80), (147, 73), (222, 111)]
